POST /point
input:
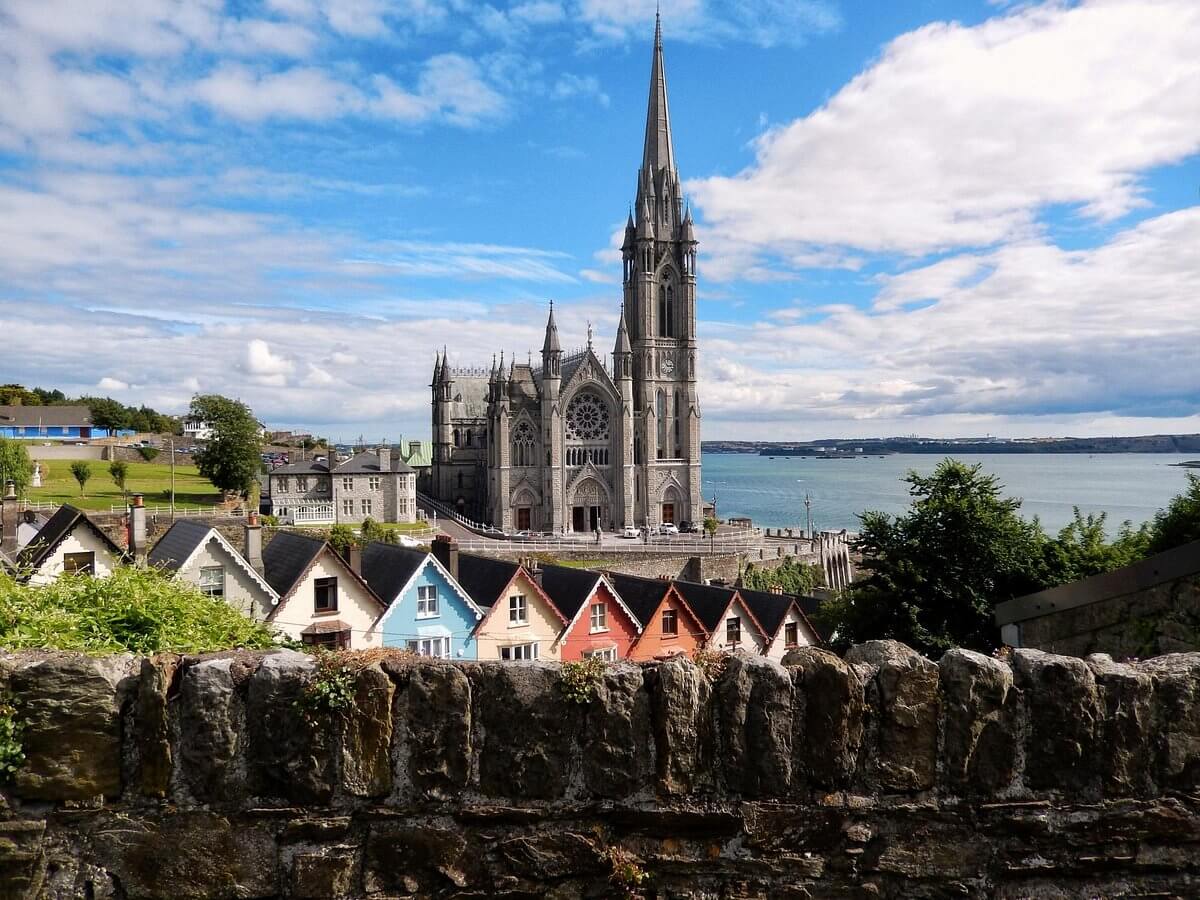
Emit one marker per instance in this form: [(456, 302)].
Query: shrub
[(138, 610), (330, 691), (579, 680), (711, 662), (12, 753), (148, 453), (627, 875)]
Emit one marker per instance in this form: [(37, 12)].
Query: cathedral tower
[(659, 259)]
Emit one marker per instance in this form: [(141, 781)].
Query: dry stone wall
[(880, 775)]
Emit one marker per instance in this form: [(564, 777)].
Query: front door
[(578, 518), (668, 513), (522, 518), (593, 518)]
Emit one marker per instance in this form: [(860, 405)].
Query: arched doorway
[(672, 506), (589, 506)]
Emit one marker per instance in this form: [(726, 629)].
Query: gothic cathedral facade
[(581, 442)]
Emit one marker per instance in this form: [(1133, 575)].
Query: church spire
[(659, 152), (551, 345)]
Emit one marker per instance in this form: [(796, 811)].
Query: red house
[(598, 622)]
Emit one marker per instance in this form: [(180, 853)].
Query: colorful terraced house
[(669, 627), (599, 624), (520, 622)]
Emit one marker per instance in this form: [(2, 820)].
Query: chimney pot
[(252, 543), (354, 558), (137, 529), (445, 549), (8, 529)]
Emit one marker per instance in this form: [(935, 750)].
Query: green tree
[(18, 395), (1179, 523), (15, 465), (710, 528), (107, 413), (341, 537), (791, 576), (148, 453), (375, 532), (1082, 549), (933, 575), (232, 458), (82, 472), (49, 398), (119, 471)]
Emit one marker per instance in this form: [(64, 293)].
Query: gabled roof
[(710, 602), (184, 539), (643, 596), (771, 609), (303, 467), (569, 589), (367, 463), (387, 568), (45, 416), (289, 557), (484, 577), (55, 531), (425, 559)]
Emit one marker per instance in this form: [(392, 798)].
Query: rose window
[(587, 419)]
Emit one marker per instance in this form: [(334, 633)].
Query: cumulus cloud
[(111, 384)]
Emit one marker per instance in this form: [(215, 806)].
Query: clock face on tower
[(668, 365)]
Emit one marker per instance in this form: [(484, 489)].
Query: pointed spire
[(658, 152), (437, 367), (623, 345), (551, 345)]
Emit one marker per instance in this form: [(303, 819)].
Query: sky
[(935, 218)]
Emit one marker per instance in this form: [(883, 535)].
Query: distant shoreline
[(842, 448)]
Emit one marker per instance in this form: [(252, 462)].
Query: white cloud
[(569, 86), (111, 384), (958, 136), (301, 93), (262, 363)]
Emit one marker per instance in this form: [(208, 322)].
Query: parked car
[(689, 528), (631, 531), (668, 528)]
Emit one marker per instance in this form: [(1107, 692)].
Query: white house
[(69, 542)]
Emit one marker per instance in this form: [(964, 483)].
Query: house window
[(330, 640), (518, 613), (322, 486), (733, 630), (79, 563), (403, 506), (608, 654), (366, 507), (373, 482), (347, 484), (347, 507), (599, 613), (520, 651), (791, 634), (670, 622), (325, 595), (212, 581), (283, 484), (438, 648), (427, 601), (301, 483)]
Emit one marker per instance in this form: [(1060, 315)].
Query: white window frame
[(208, 581), (598, 617), (301, 484), (608, 654), (520, 652), (373, 482), (347, 507), (427, 601), (518, 610), (365, 505), (347, 483), (434, 648), (733, 623)]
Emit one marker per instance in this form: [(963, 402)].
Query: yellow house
[(520, 622)]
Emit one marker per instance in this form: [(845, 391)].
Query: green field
[(151, 479)]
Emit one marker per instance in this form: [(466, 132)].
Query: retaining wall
[(884, 775)]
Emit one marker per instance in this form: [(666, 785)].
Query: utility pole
[(808, 511), (172, 478)]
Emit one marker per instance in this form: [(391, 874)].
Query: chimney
[(8, 542), (252, 543), (534, 568), (137, 529), (777, 589), (354, 558), (385, 459), (445, 548)]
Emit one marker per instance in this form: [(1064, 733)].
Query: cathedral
[(587, 440)]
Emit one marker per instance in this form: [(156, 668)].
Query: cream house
[(784, 623), (323, 600), (68, 543), (520, 622), (727, 619)]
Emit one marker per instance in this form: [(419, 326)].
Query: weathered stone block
[(193, 855), (522, 730), (980, 717), (1176, 719), (71, 706), (152, 737), (617, 740), (432, 718), (903, 699), (366, 745), (415, 861), (753, 725), (828, 717), (1125, 695), (323, 876), (683, 740), (545, 857), (1063, 711), (212, 723), (22, 862), (289, 755)]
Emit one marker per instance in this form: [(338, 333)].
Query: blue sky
[(930, 217)]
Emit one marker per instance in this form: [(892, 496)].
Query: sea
[(771, 491)]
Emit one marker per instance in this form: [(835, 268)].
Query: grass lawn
[(152, 479)]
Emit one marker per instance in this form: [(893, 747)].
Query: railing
[(424, 501), (180, 512), (692, 545)]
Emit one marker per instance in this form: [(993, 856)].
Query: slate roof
[(303, 467), (642, 595), (367, 463), (707, 601), (180, 542), (470, 397), (287, 557), (45, 416), (387, 568), (55, 531), (770, 609), (568, 588), (483, 578)]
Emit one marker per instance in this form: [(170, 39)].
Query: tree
[(373, 532), (18, 395), (119, 471), (15, 465), (1082, 549), (107, 413), (710, 528), (82, 472), (934, 575), (341, 538), (232, 458), (1179, 523), (791, 576)]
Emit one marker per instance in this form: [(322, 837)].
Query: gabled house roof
[(367, 463), (710, 603), (303, 467), (55, 531), (487, 580), (387, 568), (45, 416), (184, 539), (289, 557), (771, 609), (569, 590), (643, 596)]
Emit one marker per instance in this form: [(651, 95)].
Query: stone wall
[(884, 775), (720, 567)]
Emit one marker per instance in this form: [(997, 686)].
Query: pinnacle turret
[(622, 345), (551, 345), (658, 152)]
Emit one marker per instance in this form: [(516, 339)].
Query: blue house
[(427, 611), (46, 422)]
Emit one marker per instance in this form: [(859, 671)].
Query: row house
[(370, 485)]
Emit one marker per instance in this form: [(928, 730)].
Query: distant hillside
[(1154, 443)]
